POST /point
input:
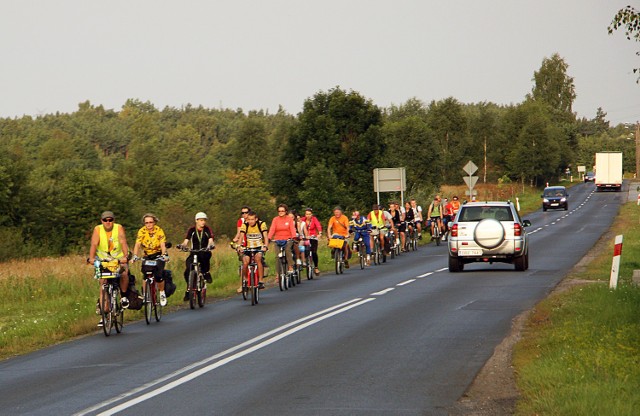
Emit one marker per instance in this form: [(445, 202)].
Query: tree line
[(59, 171)]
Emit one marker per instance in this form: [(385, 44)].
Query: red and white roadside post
[(615, 265)]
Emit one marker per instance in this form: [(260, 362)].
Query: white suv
[(488, 232)]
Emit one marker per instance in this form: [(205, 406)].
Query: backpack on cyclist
[(169, 286), (245, 226), (135, 299)]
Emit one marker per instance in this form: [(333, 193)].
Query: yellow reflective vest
[(114, 241)]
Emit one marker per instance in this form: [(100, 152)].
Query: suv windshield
[(480, 213)]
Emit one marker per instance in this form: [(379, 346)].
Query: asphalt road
[(403, 338)]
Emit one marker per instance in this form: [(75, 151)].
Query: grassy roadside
[(580, 351), (51, 300)]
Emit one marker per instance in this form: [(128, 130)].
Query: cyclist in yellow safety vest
[(109, 241)]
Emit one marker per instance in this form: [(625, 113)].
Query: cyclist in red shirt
[(283, 231)]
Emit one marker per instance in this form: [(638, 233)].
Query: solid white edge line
[(406, 282), (208, 359), (227, 360)]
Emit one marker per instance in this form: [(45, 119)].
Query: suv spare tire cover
[(489, 233)]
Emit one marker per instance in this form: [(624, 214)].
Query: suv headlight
[(563, 200), (545, 200)]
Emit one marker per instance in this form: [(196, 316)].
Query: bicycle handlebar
[(190, 250)]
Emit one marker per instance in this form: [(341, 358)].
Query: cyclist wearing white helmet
[(200, 236)]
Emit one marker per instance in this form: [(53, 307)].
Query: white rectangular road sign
[(389, 180)]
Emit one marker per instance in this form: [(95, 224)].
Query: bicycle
[(358, 247), (197, 286), (251, 283), (412, 237), (394, 245), (150, 288), (284, 276), (310, 265), (337, 253), (437, 234), (111, 310)]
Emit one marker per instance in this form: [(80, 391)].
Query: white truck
[(608, 170)]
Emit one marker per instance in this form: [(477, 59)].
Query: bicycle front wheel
[(157, 307), (193, 289), (118, 311), (309, 268), (147, 302), (202, 293), (252, 286), (105, 311), (363, 256)]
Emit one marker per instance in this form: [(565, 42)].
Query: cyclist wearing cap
[(254, 236), (200, 236), (455, 203), (339, 228), (109, 241), (397, 221), (315, 231), (361, 227), (152, 240)]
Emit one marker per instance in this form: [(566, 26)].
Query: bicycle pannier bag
[(336, 243)]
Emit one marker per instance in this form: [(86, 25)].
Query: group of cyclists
[(298, 234)]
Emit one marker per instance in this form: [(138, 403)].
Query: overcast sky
[(265, 53)]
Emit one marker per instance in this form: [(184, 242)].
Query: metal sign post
[(470, 168)]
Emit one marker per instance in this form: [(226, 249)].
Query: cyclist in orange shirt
[(339, 228)]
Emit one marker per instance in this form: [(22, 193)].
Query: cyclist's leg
[(187, 268), (245, 265), (205, 265), (124, 279), (367, 242), (314, 253), (260, 267), (289, 255), (160, 276)]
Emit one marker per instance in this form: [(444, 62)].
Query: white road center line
[(424, 275), (406, 282), (210, 359), (383, 292), (227, 360)]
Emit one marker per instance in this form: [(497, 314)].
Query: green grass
[(47, 301), (580, 353)]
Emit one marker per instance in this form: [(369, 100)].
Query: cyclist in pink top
[(315, 231), (282, 231)]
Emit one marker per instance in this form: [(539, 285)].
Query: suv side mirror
[(526, 223)]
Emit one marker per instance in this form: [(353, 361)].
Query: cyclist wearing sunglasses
[(109, 241), (244, 211)]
